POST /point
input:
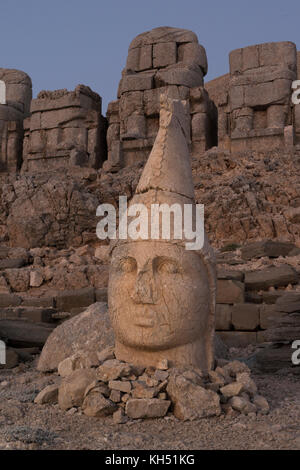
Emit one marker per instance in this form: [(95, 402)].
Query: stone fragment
[(191, 401), (242, 405), (140, 390), (231, 390), (96, 405), (72, 389), (146, 408), (261, 404), (115, 396), (36, 279), (48, 395), (119, 417), (106, 354), (122, 386), (78, 360), (113, 369), (248, 384), (236, 367)]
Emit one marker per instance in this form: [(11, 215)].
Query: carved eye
[(167, 266), (127, 265)]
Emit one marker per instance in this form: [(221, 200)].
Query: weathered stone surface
[(270, 248), (191, 401), (72, 388), (67, 300), (120, 385), (146, 408), (96, 405), (88, 331), (248, 385), (79, 360), (223, 317), (261, 404), (271, 277), (242, 405), (238, 339), (48, 395), (112, 369), (245, 316), (230, 292), (231, 390)]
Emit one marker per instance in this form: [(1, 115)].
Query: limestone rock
[(96, 405), (191, 401), (231, 390), (48, 395), (242, 405), (72, 389), (88, 331), (147, 408), (113, 369)]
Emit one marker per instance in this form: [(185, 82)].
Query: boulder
[(96, 405), (192, 401), (147, 408), (88, 331), (47, 395), (72, 389)]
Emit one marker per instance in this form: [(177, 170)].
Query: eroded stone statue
[(161, 295)]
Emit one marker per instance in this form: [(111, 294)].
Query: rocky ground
[(26, 425)]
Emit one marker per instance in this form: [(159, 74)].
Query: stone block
[(230, 292), (235, 61), (69, 299), (245, 317), (136, 82), (271, 277), (192, 52), (223, 320), (164, 54), (189, 76), (267, 315), (269, 248), (238, 339)]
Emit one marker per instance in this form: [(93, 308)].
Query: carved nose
[(144, 291)]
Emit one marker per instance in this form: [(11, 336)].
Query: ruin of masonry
[(60, 157)]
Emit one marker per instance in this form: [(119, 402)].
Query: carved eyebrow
[(160, 260)]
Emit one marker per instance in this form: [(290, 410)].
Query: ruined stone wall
[(218, 91), (65, 128), (164, 60), (261, 79), (14, 107)]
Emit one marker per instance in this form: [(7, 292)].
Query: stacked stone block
[(164, 60), (16, 94), (64, 128)]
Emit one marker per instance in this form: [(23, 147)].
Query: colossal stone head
[(161, 295)]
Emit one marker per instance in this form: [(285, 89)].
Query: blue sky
[(63, 43)]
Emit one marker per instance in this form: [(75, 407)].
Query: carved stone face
[(158, 295)]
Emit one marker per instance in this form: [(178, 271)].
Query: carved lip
[(145, 319)]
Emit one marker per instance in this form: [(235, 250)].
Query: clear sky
[(61, 43)]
